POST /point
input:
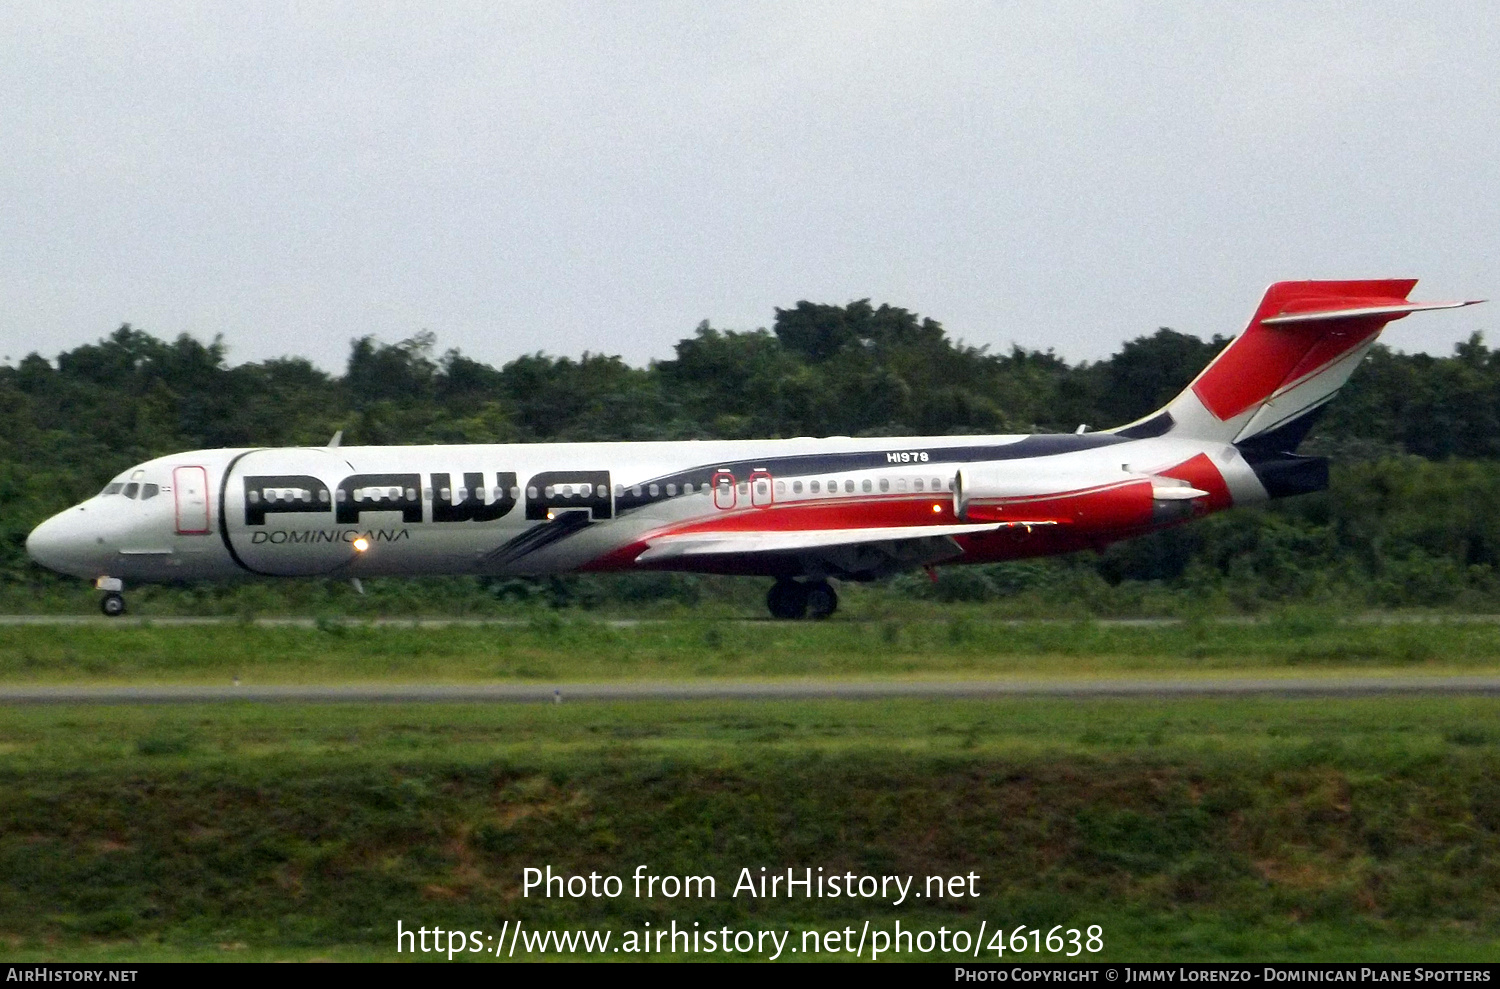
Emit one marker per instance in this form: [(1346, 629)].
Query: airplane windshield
[(131, 489)]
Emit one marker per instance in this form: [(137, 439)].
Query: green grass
[(1202, 829), (559, 647)]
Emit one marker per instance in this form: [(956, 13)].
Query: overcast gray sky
[(602, 176)]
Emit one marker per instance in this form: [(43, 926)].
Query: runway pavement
[(762, 690)]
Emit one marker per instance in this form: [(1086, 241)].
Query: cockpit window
[(131, 489), (113, 488), (149, 491)]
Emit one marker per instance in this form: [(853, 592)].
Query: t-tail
[(1267, 388)]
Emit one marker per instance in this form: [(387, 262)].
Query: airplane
[(802, 511)]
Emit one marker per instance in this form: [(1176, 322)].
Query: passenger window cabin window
[(900, 484), (654, 490), (253, 495), (447, 494), (849, 487), (619, 490), (781, 487), (636, 490), (796, 487), (885, 485), (814, 487), (866, 486), (132, 489), (833, 486), (323, 496), (671, 490), (531, 492), (916, 485)]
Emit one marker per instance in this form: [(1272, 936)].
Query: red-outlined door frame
[(190, 496), (725, 495), (761, 494)]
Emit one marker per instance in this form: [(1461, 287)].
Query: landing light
[(361, 544), (937, 509)]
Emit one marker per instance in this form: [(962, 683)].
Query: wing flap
[(723, 543)]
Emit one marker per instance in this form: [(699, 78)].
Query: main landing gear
[(113, 601), (792, 599)]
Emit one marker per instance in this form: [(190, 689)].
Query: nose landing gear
[(792, 599), (113, 601)]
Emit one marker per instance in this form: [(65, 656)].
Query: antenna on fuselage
[(338, 438)]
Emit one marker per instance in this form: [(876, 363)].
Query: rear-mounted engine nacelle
[(1112, 501)]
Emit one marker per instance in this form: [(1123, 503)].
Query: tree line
[(76, 419)]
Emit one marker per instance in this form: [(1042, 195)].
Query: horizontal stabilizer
[(714, 543), (1394, 310)]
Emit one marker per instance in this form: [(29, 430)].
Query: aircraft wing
[(673, 545)]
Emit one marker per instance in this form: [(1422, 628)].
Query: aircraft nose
[(58, 544)]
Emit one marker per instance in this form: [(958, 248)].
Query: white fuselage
[(550, 508)]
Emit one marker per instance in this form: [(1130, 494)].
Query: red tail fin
[(1263, 357), (1300, 347)]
